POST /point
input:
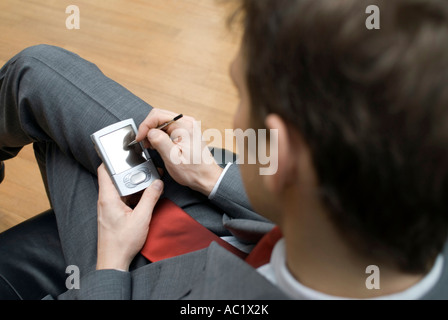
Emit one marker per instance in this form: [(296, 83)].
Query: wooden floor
[(174, 54)]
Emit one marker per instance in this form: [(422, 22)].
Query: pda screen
[(120, 155)]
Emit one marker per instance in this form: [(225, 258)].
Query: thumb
[(149, 198)]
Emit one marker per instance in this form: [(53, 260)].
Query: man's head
[(364, 113)]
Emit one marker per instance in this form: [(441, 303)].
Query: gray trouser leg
[(56, 100)]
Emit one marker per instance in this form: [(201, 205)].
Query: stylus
[(161, 127)]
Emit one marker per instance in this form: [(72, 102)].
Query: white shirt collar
[(277, 272)]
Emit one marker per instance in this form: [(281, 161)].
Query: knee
[(39, 51), (42, 54)]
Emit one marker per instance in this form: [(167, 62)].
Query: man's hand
[(187, 158), (122, 231)]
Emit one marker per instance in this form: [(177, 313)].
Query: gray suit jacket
[(212, 273)]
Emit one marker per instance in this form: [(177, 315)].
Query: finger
[(149, 199), (161, 142), (107, 190), (104, 181), (154, 119), (147, 144)]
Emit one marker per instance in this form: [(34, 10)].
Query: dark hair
[(373, 107)]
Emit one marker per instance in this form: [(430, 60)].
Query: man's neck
[(320, 259)]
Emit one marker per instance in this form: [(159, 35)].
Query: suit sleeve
[(100, 285), (106, 284), (231, 196), (240, 219)]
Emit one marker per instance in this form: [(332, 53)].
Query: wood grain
[(174, 54)]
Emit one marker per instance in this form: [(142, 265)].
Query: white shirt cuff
[(215, 188)]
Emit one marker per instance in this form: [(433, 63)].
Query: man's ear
[(286, 153)]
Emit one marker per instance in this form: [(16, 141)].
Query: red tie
[(261, 253), (173, 232)]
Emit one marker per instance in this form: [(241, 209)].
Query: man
[(362, 153)]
